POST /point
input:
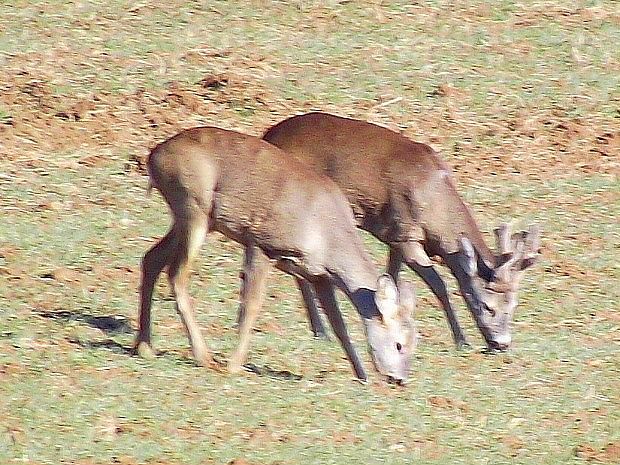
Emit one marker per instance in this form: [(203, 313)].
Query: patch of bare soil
[(241, 462), (443, 402), (514, 444), (42, 122), (609, 454), (101, 125)]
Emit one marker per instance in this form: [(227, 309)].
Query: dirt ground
[(42, 122)]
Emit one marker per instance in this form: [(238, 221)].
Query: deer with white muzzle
[(403, 194), (283, 213)]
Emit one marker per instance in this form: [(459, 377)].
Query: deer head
[(494, 290), (392, 338)]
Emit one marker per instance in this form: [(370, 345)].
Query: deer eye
[(399, 346)]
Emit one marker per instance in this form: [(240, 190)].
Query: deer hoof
[(206, 360), (234, 367), (144, 350), (322, 336), (235, 363)]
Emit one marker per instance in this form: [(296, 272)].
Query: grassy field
[(522, 100)]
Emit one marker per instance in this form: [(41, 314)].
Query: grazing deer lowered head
[(493, 296), (403, 194), (281, 212)]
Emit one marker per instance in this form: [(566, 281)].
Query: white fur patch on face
[(503, 339)]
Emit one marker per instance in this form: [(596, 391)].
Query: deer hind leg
[(190, 232), (255, 269), (153, 263), (414, 255), (325, 293)]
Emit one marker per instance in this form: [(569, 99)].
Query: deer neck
[(472, 231), (483, 251), (359, 282)]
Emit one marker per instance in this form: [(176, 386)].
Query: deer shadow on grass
[(109, 325), (116, 325), (267, 371), (113, 325)]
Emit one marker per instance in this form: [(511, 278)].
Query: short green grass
[(72, 237)]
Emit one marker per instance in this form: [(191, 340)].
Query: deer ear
[(532, 247), (503, 239), (406, 298), (386, 297), (532, 240), (468, 257)]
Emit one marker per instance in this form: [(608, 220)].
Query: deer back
[(400, 190)]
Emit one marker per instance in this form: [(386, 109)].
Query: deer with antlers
[(403, 194)]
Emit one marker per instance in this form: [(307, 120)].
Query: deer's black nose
[(499, 346), (397, 381)]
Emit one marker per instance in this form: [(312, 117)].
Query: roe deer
[(281, 211), (403, 194)]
